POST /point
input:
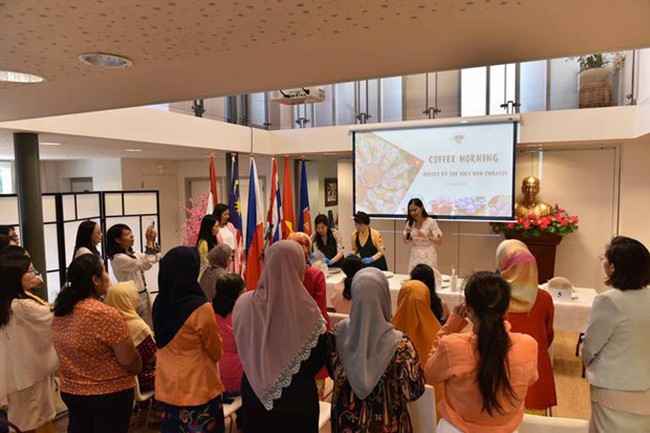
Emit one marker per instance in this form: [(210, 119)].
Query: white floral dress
[(423, 250)]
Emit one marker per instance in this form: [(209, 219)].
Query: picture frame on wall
[(331, 191)]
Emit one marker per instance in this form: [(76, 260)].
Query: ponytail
[(79, 285), (350, 266), (488, 295)]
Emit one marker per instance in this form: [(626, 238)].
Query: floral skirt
[(206, 418)]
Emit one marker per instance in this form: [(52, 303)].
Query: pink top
[(453, 360), (229, 364)]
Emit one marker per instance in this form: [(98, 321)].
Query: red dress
[(314, 282), (538, 323)]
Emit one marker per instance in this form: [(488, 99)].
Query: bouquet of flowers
[(195, 214), (558, 223)]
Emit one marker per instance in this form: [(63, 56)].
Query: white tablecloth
[(570, 315)]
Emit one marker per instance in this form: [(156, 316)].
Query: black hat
[(362, 218)]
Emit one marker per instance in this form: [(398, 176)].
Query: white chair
[(423, 411), (230, 409), (337, 317), (141, 397), (544, 424), (324, 414)]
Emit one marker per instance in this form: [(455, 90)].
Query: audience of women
[(129, 265), (328, 242), (189, 346), (28, 360), (97, 356), (486, 372), (11, 233), (220, 260), (341, 298), (368, 243), (124, 298), (531, 312), (279, 331), (228, 234), (423, 233), (89, 235), (206, 240), (616, 347), (415, 319), (425, 274), (374, 366)]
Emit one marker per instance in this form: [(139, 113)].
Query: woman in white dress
[(423, 233), (227, 234), (89, 235)]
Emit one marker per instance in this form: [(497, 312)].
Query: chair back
[(337, 317), (139, 396), (324, 413), (545, 424), (12, 427), (423, 411)]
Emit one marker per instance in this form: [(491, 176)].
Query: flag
[(304, 216), (288, 215), (254, 231), (234, 205), (274, 216), (212, 196)]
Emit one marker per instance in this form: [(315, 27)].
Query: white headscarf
[(366, 342), (277, 325)]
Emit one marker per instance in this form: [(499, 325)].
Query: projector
[(303, 95)]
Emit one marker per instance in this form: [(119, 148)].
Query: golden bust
[(529, 205)]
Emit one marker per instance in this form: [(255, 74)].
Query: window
[(6, 178), (473, 88)]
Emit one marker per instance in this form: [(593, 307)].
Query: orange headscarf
[(518, 266)]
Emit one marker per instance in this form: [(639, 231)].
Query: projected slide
[(459, 172)]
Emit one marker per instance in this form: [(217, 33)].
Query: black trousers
[(107, 413)]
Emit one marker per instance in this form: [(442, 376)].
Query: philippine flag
[(274, 217), (304, 216), (254, 231)]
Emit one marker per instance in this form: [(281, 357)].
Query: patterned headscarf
[(518, 266), (304, 240)]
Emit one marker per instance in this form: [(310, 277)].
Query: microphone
[(408, 234)]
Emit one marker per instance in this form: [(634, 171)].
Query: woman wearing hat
[(368, 243)]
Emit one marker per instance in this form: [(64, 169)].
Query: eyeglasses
[(32, 270), (602, 258)]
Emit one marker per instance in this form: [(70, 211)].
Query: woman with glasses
[(616, 347)]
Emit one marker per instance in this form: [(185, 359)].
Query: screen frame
[(456, 218)]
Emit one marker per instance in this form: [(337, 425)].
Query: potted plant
[(558, 223), (595, 87)]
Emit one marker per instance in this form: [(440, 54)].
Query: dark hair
[(362, 218), (4, 241), (350, 266), (219, 209), (5, 230), (12, 269), (79, 283), (205, 232), (418, 203), (488, 295), (228, 286), (631, 261), (425, 274), (84, 236), (322, 219), (14, 250), (112, 247)]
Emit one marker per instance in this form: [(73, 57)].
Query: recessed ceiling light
[(20, 77), (133, 150), (105, 60), (49, 143)]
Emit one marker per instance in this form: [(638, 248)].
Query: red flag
[(288, 215), (254, 232), (212, 199), (274, 216)]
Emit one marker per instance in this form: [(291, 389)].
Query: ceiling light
[(19, 77), (133, 150), (49, 143), (105, 60)]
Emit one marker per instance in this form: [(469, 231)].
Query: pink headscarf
[(277, 325), (518, 266)]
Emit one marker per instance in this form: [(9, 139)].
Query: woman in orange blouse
[(96, 353), (486, 372), (189, 347)]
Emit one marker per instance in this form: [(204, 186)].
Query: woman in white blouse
[(89, 235), (129, 265)]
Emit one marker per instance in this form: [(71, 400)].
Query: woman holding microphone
[(423, 232)]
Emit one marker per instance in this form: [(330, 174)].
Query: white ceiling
[(184, 49)]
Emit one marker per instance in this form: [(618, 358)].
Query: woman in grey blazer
[(617, 342)]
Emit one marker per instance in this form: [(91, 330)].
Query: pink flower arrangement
[(558, 223), (195, 214)]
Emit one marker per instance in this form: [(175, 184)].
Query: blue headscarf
[(179, 293)]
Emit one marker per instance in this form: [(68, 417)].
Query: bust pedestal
[(543, 248)]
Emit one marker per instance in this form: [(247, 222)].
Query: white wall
[(105, 172)]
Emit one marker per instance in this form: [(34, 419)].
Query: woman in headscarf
[(219, 259), (531, 312), (415, 319), (374, 366), (189, 346), (279, 331), (124, 298)]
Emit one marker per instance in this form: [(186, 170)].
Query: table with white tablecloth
[(570, 315)]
